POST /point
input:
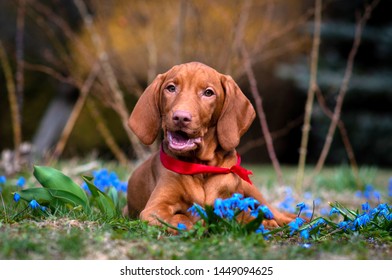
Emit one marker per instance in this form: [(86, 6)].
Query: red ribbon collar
[(187, 168)]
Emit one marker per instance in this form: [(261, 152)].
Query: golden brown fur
[(203, 114)]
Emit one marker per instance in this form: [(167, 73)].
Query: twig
[(85, 89), (343, 88), (253, 88), (51, 72), (262, 117), (120, 107), (14, 107), (310, 96), (344, 135)]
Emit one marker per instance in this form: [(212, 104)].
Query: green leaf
[(67, 197), (104, 202), (113, 194), (61, 186), (41, 195)]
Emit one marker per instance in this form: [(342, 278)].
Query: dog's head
[(192, 103)]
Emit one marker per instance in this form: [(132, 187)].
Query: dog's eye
[(171, 88), (208, 93)]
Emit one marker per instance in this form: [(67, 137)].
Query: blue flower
[(103, 179), (287, 203), (21, 181), (368, 192), (306, 245), (365, 206), (219, 208), (196, 210), (247, 203), (16, 197), (381, 210), (34, 204), (319, 222), (181, 226), (361, 220), (262, 230), (344, 225), (377, 195), (296, 224), (334, 211), (301, 206), (304, 234), (43, 208), (266, 211), (3, 179)]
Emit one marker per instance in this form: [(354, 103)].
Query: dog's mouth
[(180, 141)]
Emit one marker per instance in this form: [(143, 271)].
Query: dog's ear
[(236, 116), (145, 120)]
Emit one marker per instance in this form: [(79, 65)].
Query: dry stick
[(49, 71), (85, 89), (343, 89), (120, 107), (253, 87), (93, 110), (105, 132), (310, 97), (262, 117), (14, 107), (19, 45), (344, 135)]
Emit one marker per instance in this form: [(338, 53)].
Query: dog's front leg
[(166, 205)]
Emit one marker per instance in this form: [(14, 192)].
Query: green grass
[(72, 234)]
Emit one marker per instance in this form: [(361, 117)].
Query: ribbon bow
[(188, 168)]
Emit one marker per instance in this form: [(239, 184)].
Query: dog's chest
[(208, 187)]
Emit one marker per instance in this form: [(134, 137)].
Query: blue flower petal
[(3, 179), (34, 204), (181, 226), (16, 197), (21, 181)]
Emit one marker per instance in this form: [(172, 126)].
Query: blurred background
[(71, 72)]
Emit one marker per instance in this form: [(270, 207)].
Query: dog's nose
[(182, 117)]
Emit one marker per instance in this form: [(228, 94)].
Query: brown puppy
[(203, 114)]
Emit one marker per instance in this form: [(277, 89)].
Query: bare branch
[(343, 89), (310, 96), (15, 116), (120, 107), (344, 135), (51, 72), (84, 90)]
